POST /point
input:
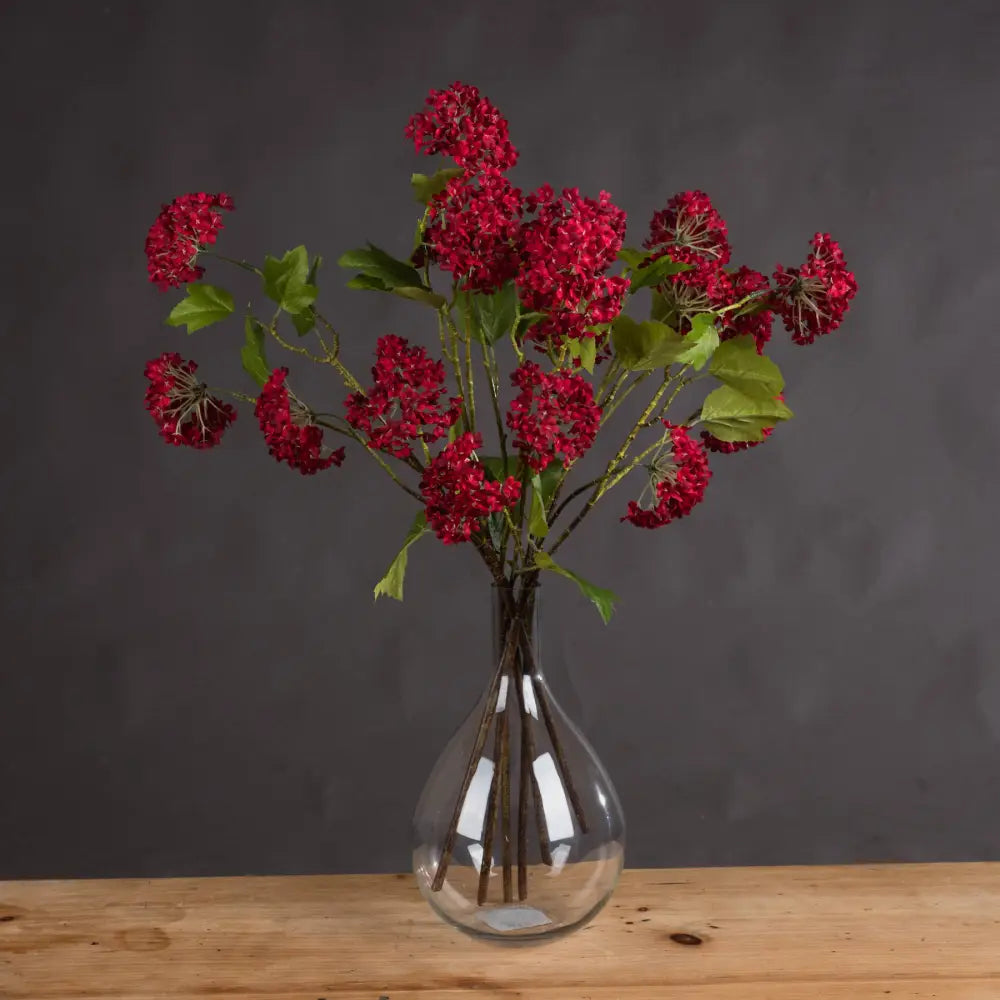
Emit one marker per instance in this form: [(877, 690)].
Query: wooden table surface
[(864, 933)]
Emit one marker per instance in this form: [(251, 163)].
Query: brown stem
[(528, 747), (484, 727), (505, 843), (490, 818)]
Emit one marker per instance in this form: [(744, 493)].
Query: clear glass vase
[(518, 835)]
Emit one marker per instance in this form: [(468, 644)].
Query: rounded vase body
[(518, 835)]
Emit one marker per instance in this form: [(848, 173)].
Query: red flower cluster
[(689, 230), (183, 228), (813, 298), (565, 251), (404, 404), (181, 405), (462, 124), (553, 414), (457, 494), (289, 428), (473, 230), (678, 480)]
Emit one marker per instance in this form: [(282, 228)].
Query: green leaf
[(537, 524), (646, 346), (490, 316), (739, 428), (368, 283), (495, 468), (550, 477), (376, 263), (252, 353), (631, 257), (424, 187), (737, 363), (421, 294), (701, 341), (305, 321), (204, 305), (602, 599), (662, 310), (585, 349), (654, 272), (495, 524), (527, 320), (727, 403), (285, 280), (391, 585)]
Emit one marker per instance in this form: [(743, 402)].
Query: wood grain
[(904, 932)]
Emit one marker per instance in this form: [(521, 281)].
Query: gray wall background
[(195, 678)]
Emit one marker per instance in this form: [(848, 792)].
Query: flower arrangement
[(532, 273), (546, 279)]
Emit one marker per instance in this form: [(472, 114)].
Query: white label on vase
[(513, 918), (554, 802), (529, 697), (470, 822), (502, 694)]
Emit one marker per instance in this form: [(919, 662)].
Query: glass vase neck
[(515, 624)]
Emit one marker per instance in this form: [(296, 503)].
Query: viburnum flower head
[(812, 299), (182, 406), (179, 233), (459, 122), (565, 251), (554, 414), (457, 494), (736, 287), (689, 230), (473, 230), (404, 404), (678, 477), (290, 429)]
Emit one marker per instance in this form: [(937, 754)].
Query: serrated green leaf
[(490, 316), (391, 585), (421, 294), (424, 187), (645, 346), (537, 524), (305, 321), (203, 306), (726, 404), (376, 263), (603, 600), (700, 342), (252, 352), (285, 280), (654, 273), (737, 363), (584, 348), (631, 257), (368, 283), (738, 428), (496, 470)]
